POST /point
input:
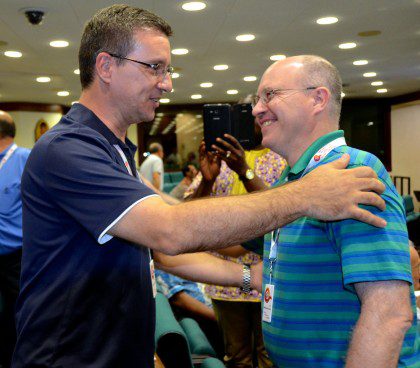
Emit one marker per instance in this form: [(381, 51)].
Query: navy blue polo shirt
[(86, 298)]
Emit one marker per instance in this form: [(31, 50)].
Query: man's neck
[(304, 141), (5, 142), (105, 113)]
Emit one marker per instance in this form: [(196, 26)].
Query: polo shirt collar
[(3, 153), (301, 164), (81, 113)]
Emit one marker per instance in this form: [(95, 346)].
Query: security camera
[(35, 16)]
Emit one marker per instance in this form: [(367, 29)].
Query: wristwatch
[(246, 278), (249, 175)]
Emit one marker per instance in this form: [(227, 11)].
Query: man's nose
[(166, 83)]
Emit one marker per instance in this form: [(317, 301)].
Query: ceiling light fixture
[(180, 51), (232, 92), (369, 74), (377, 83), (76, 71), (250, 78), (193, 6), (245, 37), (63, 93), (327, 20), (164, 100), (196, 97), (175, 75), (347, 45), (206, 85), (382, 90), (59, 43), (343, 95), (43, 79), (13, 54), (360, 62), (277, 57), (221, 67)]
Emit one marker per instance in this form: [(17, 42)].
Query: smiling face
[(135, 88), (287, 116)]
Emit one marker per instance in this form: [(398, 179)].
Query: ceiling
[(280, 27)]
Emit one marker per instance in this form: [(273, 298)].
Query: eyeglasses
[(267, 96), (158, 69)]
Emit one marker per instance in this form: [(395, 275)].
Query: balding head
[(312, 71), (7, 125)]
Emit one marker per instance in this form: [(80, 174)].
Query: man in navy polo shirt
[(87, 295)]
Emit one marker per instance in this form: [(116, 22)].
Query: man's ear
[(103, 66), (321, 97)]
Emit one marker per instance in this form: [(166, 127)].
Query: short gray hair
[(320, 72)]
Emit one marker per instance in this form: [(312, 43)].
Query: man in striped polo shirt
[(335, 293)]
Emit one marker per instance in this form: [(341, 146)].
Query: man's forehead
[(280, 74)]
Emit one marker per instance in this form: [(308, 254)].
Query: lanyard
[(8, 154), (126, 164), (315, 160)]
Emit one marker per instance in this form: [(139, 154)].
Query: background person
[(152, 166), (12, 162), (189, 171)]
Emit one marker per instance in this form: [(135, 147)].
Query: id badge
[(152, 277), (268, 303)]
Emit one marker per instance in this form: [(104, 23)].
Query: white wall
[(405, 143), (25, 125)]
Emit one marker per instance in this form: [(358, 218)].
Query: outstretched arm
[(235, 219)]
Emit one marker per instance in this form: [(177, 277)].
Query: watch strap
[(246, 278)]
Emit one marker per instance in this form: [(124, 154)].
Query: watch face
[(249, 174)]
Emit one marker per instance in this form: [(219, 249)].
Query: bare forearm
[(193, 306), (201, 267), (255, 184), (203, 190), (236, 218), (376, 345)]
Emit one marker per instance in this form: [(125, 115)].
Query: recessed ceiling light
[(63, 93), (232, 92), (59, 43), (360, 62), (382, 90), (13, 54), (220, 67), (172, 90), (250, 78), (164, 100), (370, 123), (160, 114), (206, 85), (76, 71), (277, 57), (245, 37), (343, 95), (193, 6), (377, 83), (180, 51), (348, 45), (175, 75), (196, 97), (327, 20), (43, 79), (199, 116), (369, 74)]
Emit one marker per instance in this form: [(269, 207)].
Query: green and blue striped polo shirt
[(315, 306)]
